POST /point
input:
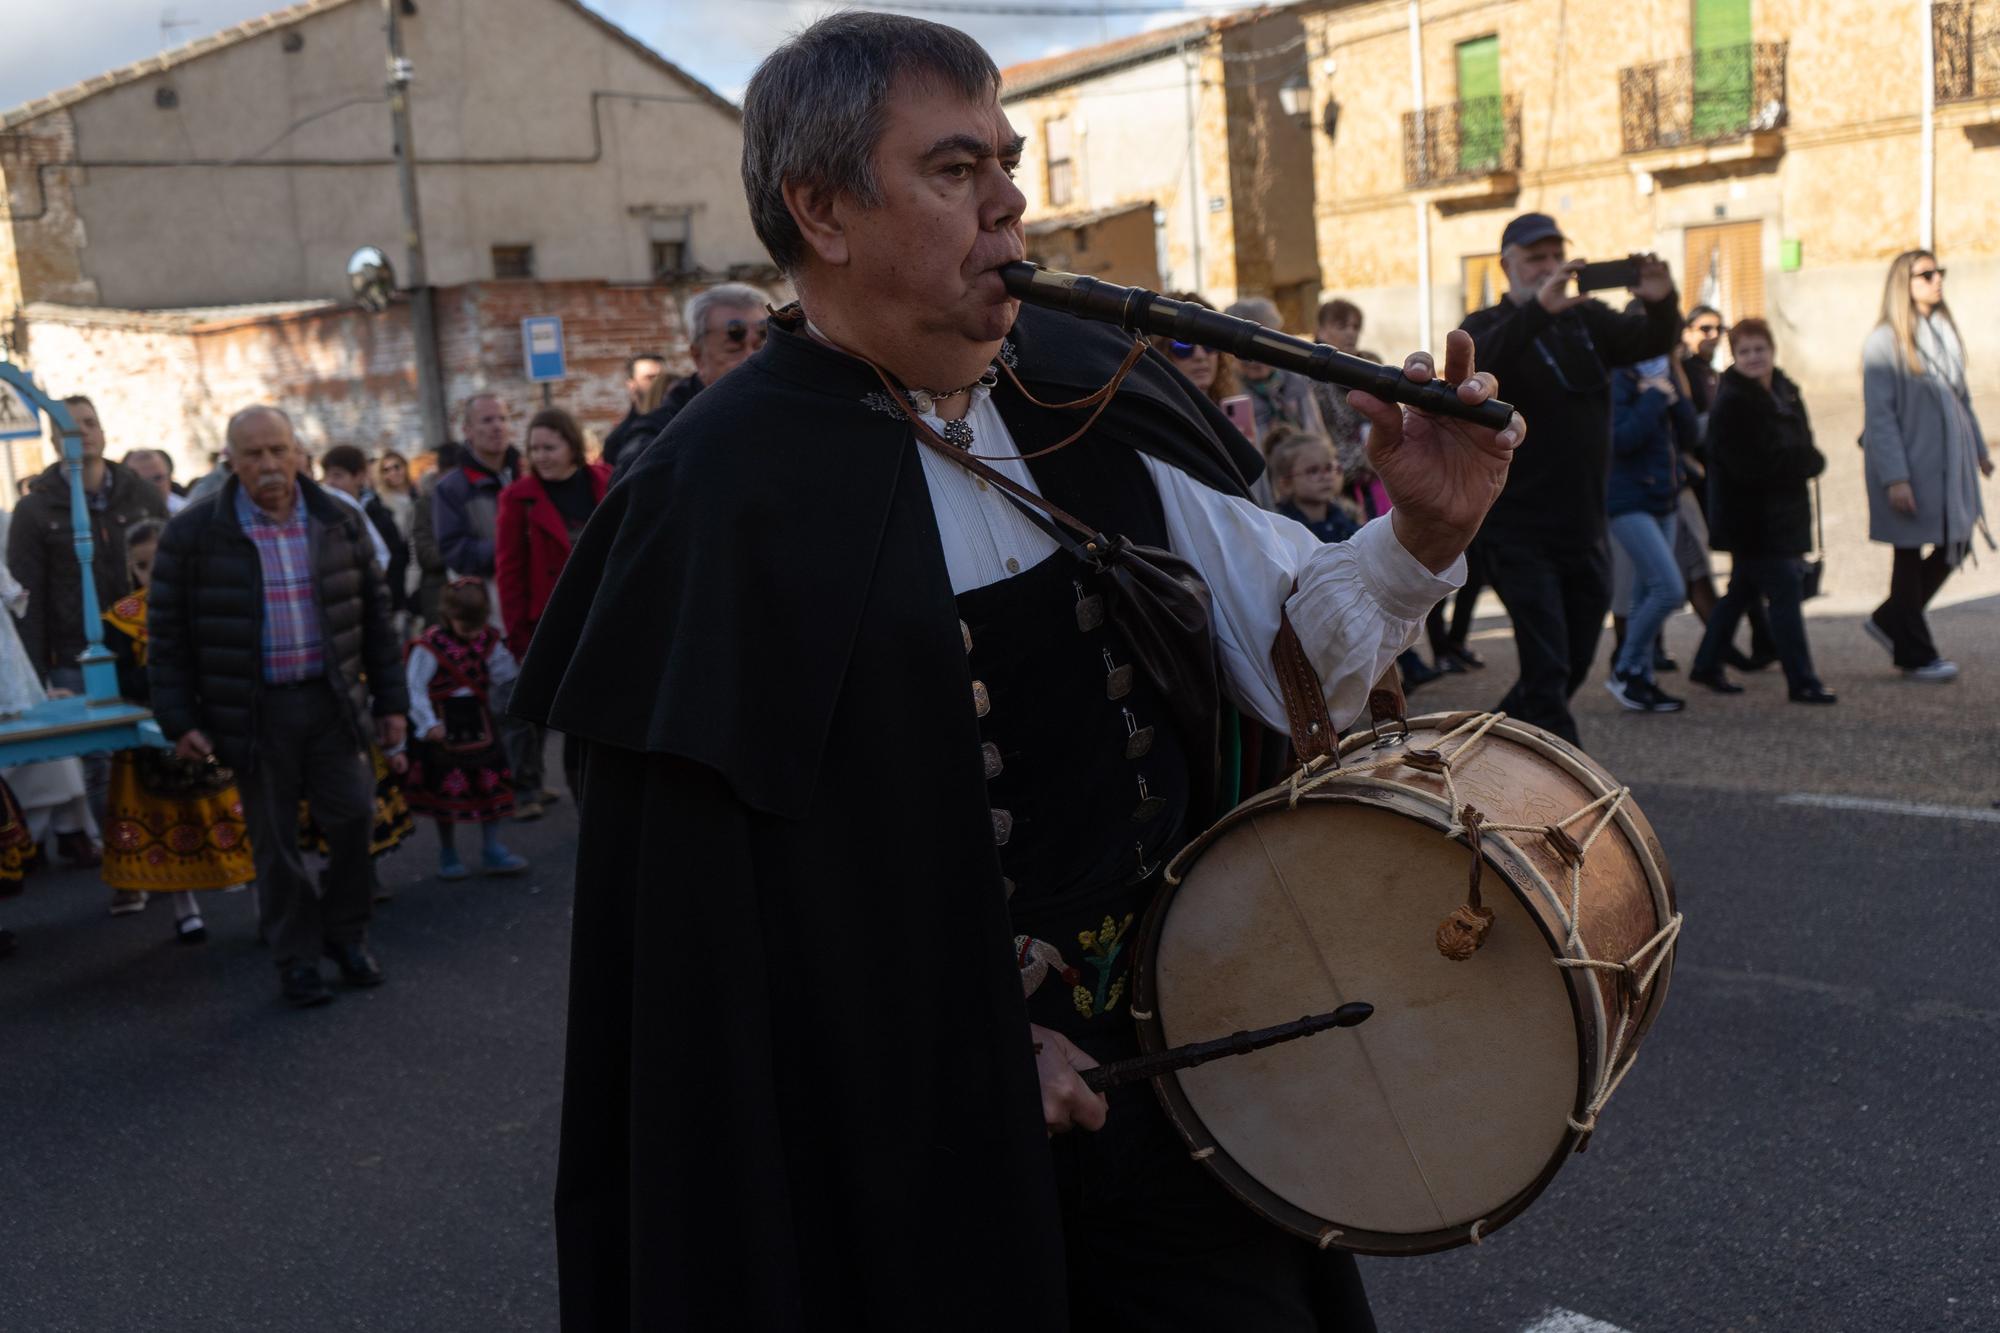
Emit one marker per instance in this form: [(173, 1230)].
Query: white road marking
[(1871, 805), (1559, 1320)]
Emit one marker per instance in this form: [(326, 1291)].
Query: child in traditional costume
[(174, 825), (458, 769), (394, 823)]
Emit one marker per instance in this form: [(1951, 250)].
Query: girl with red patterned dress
[(458, 768)]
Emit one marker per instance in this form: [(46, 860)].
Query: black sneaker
[(1659, 701), (1630, 693)]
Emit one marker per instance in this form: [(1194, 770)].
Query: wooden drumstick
[(1118, 1072)]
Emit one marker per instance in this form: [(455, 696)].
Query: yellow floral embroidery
[(1101, 948)]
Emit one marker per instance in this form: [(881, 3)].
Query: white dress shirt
[(1359, 603)]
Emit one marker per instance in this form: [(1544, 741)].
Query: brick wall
[(171, 380), (479, 343)]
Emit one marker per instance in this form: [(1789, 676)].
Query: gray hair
[(1261, 309), (248, 413), (732, 294), (816, 108), (473, 400)]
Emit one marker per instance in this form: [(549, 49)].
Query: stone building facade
[(345, 376), (1190, 120), (176, 233), (1771, 150)]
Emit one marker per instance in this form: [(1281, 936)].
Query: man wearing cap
[(1545, 538)]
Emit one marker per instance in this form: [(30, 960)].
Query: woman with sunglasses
[(1924, 457), (1213, 372)]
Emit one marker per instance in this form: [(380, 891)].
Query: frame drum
[(1445, 1114)]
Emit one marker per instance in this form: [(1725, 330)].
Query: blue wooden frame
[(97, 720)]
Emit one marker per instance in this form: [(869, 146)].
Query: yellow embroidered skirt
[(393, 821), (18, 852), (164, 834)]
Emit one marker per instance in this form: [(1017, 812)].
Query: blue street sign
[(18, 418), (542, 347)]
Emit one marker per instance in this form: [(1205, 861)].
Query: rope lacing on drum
[(1465, 929)]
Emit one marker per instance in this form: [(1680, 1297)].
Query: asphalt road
[(1806, 1143)]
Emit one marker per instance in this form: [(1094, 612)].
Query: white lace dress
[(51, 794)]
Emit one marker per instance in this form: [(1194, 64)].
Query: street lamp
[(1295, 96)]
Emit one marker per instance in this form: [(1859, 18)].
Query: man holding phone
[(1545, 539)]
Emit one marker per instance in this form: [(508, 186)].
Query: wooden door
[(1725, 269), (1485, 282)]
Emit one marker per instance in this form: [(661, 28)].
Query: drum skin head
[(1443, 1108)]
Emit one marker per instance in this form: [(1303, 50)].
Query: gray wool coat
[(1907, 435)]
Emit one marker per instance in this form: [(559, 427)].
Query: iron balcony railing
[(1703, 97), (1475, 137), (1967, 36)]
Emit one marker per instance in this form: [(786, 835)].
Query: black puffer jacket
[(1760, 457), (207, 623), (41, 551)]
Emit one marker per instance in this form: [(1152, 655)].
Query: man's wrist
[(1433, 545)]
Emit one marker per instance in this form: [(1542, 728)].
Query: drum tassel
[(1460, 934)]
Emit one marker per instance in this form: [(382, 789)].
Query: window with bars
[(1058, 141), (513, 261)]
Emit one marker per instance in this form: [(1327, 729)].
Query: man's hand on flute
[(1442, 474)]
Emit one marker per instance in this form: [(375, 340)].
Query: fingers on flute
[(1478, 388), (1457, 355), (1383, 416), (1419, 367)]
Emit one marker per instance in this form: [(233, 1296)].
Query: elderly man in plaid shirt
[(272, 650)]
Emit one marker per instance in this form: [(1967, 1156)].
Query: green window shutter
[(1723, 77), (1481, 121)]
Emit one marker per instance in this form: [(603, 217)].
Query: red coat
[(531, 547)]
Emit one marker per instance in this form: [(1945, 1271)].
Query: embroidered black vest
[(1087, 777)]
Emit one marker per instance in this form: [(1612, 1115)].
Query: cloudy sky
[(50, 44)]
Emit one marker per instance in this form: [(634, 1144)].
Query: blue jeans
[(1657, 589)]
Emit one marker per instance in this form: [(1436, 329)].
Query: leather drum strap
[(1313, 735)]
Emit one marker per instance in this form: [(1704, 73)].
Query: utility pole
[(423, 304), (1423, 205), (1190, 65)]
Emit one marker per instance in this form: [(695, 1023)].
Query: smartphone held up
[(1608, 275)]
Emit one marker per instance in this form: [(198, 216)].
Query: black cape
[(799, 1090)]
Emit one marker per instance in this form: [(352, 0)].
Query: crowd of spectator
[(335, 653), (1646, 454)]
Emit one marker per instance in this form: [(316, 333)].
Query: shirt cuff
[(1398, 581)]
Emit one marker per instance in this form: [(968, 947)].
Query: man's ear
[(819, 215)]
